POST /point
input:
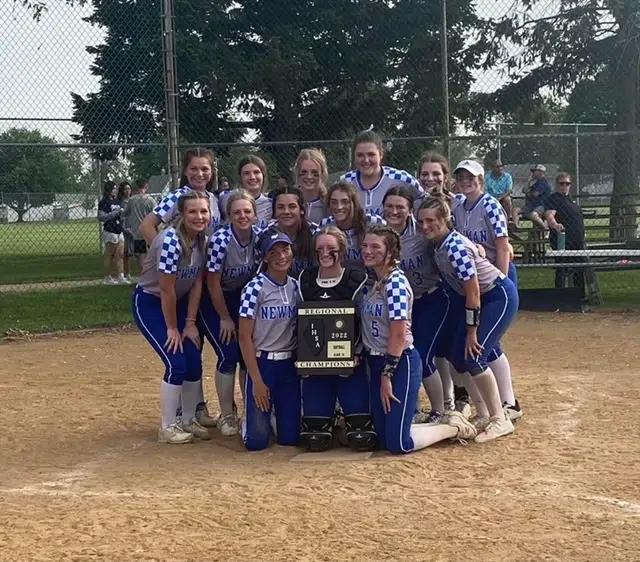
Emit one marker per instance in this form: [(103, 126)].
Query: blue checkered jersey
[(167, 209), (274, 308), (458, 260), (315, 210), (417, 260), (354, 253), (165, 255), (483, 223), (263, 203), (235, 262), (388, 300), (371, 199)]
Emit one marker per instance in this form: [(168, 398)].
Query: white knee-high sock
[(447, 382), (190, 399), (476, 396), (457, 378), (486, 384), (201, 399), (502, 371), (169, 403), (225, 387), (425, 435), (433, 387)]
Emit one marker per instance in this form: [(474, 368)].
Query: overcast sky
[(42, 62)]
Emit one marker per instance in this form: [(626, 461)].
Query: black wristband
[(390, 365), (472, 316)]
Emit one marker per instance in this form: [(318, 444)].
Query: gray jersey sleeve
[(235, 263), (385, 303), (274, 310), (167, 256)]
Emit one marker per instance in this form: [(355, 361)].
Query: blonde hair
[(340, 237), (240, 195), (178, 223), (317, 156), (441, 207)]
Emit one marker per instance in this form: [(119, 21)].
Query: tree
[(576, 45), (297, 70), (31, 176)]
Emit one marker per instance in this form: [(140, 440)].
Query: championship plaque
[(326, 333)]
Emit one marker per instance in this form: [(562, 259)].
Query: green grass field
[(50, 252)]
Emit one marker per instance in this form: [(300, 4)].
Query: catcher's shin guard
[(361, 436), (316, 433)]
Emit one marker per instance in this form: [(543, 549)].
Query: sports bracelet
[(472, 316), (390, 364)]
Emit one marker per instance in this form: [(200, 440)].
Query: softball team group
[(430, 274)]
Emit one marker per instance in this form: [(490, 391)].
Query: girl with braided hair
[(394, 363)]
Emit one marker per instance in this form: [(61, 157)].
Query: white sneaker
[(122, 280), (174, 435), (198, 431), (464, 408), (204, 418), (108, 280), (128, 280), (466, 430), (479, 422), (514, 412), (449, 405), (228, 425), (497, 428)]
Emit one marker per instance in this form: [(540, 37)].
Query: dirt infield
[(82, 477)]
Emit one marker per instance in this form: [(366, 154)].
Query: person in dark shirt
[(539, 190), (563, 214), (110, 215)]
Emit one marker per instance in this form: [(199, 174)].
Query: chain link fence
[(92, 87)]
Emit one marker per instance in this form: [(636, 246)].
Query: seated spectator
[(499, 184), (563, 214), (539, 190)]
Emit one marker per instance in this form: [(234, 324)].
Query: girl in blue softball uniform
[(371, 179), (231, 264), (290, 214), (481, 218), (347, 213), (253, 177), (431, 303), (199, 175), (333, 282), (267, 332), (485, 301), (165, 303), (394, 363)]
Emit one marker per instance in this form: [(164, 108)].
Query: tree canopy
[(31, 176)]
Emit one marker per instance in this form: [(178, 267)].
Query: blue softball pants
[(394, 428), (181, 366), (428, 321), (228, 354), (513, 275), (283, 382), (498, 309), (319, 394)]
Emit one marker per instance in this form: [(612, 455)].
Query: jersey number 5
[(374, 329)]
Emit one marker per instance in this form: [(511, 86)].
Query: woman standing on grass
[(165, 305), (124, 194), (110, 215)]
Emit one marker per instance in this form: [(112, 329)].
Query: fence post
[(97, 176), (171, 92), (500, 142), (577, 146), (445, 77)]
